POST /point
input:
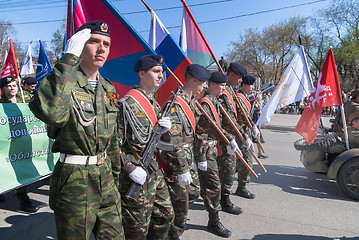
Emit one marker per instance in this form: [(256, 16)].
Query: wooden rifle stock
[(247, 119), (241, 137), (216, 127)]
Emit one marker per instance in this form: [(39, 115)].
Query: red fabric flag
[(326, 93), (10, 66)]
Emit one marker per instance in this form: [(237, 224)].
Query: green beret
[(147, 62), (218, 77), (199, 72), (97, 26)]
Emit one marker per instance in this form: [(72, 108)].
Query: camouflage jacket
[(81, 121), (228, 107), (134, 128), (181, 135), (27, 95), (4, 99), (205, 132), (241, 118)]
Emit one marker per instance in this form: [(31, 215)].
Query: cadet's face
[(152, 77), (198, 86), (95, 51), (234, 79), (29, 87), (11, 89), (218, 88), (247, 89)]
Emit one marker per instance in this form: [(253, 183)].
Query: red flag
[(10, 66), (326, 93)]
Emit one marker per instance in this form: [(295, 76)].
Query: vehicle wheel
[(321, 142), (348, 178)]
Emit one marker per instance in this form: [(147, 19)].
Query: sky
[(221, 21)]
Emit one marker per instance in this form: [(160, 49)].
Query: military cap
[(353, 116), (97, 26), (6, 80), (218, 77), (238, 69), (199, 72), (248, 79), (30, 80), (148, 61), (354, 93)]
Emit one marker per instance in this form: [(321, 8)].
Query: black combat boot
[(242, 191), (216, 227), (228, 206), (26, 204)]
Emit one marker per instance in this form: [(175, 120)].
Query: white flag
[(27, 67), (295, 84)]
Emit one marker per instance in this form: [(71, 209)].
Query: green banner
[(25, 153)]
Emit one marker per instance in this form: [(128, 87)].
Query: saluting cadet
[(226, 162), (244, 174), (152, 215), (207, 153), (180, 170), (77, 104)]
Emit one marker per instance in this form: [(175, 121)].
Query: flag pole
[(220, 68), (216, 127), (344, 126), (17, 71)]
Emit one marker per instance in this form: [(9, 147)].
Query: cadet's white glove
[(202, 166), (231, 151), (77, 42), (250, 144), (185, 178), (138, 175), (165, 123), (256, 131)]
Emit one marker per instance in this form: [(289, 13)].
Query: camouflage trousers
[(85, 200), (182, 197), (227, 170), (210, 182), (152, 215), (244, 175)]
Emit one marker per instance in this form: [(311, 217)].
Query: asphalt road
[(291, 203)]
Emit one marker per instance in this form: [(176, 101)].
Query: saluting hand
[(77, 42)]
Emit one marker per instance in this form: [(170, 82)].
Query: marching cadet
[(151, 216), (226, 162), (77, 104), (180, 171), (207, 153), (244, 176)]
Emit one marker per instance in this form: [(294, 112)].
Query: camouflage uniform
[(83, 123), (244, 175), (206, 149), (226, 162), (152, 215), (27, 95), (178, 162)]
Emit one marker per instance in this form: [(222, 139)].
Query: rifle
[(153, 144)]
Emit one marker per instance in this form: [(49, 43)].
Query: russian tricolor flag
[(127, 45), (163, 43)]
